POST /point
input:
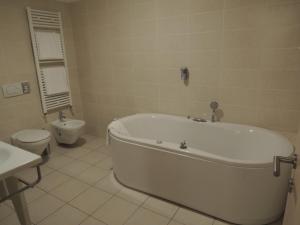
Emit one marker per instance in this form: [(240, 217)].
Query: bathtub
[(226, 171)]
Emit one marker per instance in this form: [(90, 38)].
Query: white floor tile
[(92, 221), (92, 175), (105, 150), (77, 152), (58, 149), (93, 157), (88, 137), (33, 193), (95, 143), (109, 184), (43, 207), (10, 220), (173, 222), (105, 164), (69, 190), (161, 207), (217, 222), (90, 200), (4, 211), (9, 204), (46, 170), (147, 217), (115, 212), (189, 217), (59, 162), (132, 196), (52, 180), (74, 168), (66, 215)]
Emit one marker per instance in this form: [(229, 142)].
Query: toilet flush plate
[(16, 89)]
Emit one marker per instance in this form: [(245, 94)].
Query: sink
[(4, 155), (14, 159)]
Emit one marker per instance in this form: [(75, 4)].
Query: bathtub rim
[(206, 156), (112, 131)]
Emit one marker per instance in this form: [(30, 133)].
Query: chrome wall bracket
[(27, 185), (277, 160)]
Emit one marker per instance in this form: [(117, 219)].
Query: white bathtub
[(226, 171)]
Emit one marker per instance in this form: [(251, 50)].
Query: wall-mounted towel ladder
[(50, 58)]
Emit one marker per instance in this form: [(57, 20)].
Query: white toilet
[(33, 140), (67, 131)]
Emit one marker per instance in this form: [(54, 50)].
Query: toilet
[(32, 140)]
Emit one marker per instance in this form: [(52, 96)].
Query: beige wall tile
[(246, 17), (167, 8), (242, 38), (207, 40), (173, 25), (17, 64), (241, 58), (205, 5), (206, 21), (242, 3), (245, 54)]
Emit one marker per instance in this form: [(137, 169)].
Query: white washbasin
[(14, 159)]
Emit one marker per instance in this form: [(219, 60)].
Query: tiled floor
[(78, 187)]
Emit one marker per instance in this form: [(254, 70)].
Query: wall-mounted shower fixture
[(184, 74), (214, 106)]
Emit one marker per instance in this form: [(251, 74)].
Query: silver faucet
[(61, 116), (214, 106), (197, 119)]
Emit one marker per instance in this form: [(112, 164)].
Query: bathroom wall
[(244, 54), (16, 64)]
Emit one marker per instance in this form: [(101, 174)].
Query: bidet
[(67, 131)]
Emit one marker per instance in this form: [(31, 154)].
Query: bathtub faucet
[(214, 106), (183, 145), (61, 116), (197, 119)]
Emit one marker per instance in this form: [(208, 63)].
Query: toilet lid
[(32, 135)]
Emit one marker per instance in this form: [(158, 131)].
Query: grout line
[(92, 218), (172, 218)]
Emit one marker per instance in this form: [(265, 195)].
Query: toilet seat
[(32, 135)]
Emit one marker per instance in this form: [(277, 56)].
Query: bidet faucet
[(214, 106), (61, 116)]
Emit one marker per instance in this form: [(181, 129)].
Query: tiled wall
[(245, 54), (16, 64)]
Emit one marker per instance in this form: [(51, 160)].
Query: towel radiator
[(48, 21)]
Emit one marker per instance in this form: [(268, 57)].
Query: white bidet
[(67, 131)]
